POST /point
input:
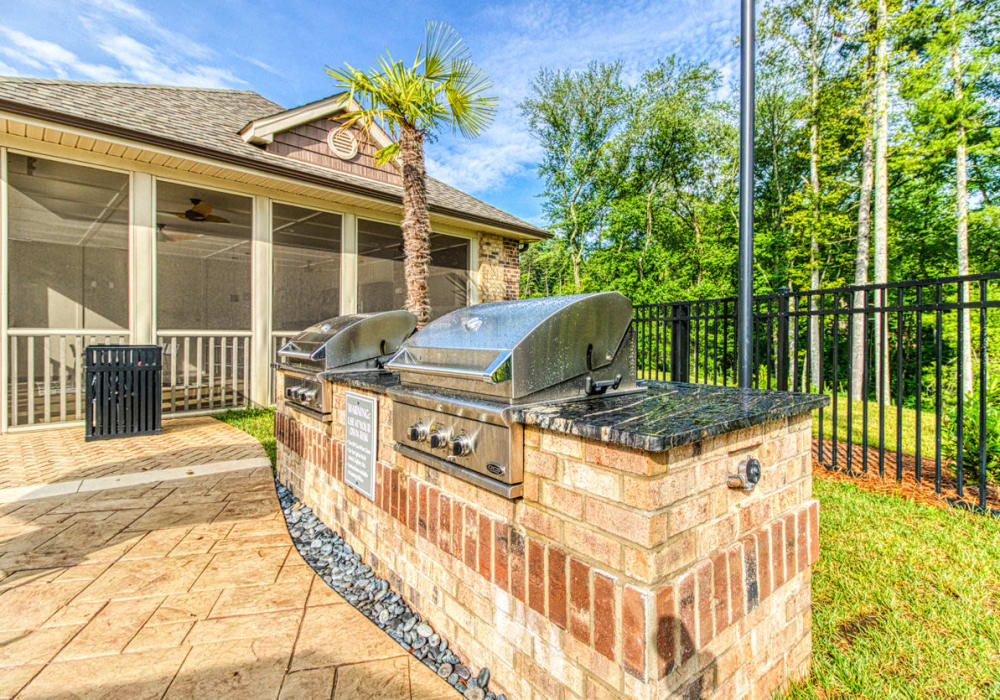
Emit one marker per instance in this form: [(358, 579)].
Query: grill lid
[(353, 341), (520, 349)]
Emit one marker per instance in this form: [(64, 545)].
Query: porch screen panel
[(306, 266), (68, 281), (381, 283), (67, 245), (202, 258)]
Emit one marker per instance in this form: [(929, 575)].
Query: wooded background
[(877, 157)]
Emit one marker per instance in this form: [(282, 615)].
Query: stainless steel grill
[(462, 375), (351, 343)]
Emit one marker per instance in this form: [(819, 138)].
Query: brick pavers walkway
[(182, 588), (48, 456)]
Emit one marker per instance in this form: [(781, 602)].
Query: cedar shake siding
[(308, 143)]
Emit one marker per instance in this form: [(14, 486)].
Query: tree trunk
[(649, 217), (861, 258), (814, 340), (416, 225), (882, 195), (962, 221), (697, 247)]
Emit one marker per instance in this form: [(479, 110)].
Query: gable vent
[(343, 143)]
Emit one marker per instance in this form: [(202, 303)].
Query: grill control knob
[(462, 445), (418, 432), (440, 437)]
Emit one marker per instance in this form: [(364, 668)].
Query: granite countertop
[(375, 381), (664, 416), (667, 414)]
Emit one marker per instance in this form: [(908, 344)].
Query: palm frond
[(471, 108), (442, 47), (384, 155), (441, 86)]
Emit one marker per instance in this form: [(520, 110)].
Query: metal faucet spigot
[(747, 475)]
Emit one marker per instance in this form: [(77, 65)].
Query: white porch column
[(4, 296), (261, 296), (473, 284), (349, 265), (142, 259)]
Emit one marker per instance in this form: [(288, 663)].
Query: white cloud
[(150, 66), (505, 151), (515, 41), (39, 50), (40, 55), (21, 57), (143, 48), (149, 26), (260, 64)]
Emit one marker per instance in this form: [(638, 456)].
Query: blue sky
[(279, 49)]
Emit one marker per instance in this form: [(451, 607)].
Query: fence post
[(782, 354), (680, 341)]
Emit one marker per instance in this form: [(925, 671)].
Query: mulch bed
[(922, 491)]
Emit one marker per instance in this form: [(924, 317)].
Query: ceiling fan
[(199, 211)]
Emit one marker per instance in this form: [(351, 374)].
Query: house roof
[(208, 122), (262, 130)]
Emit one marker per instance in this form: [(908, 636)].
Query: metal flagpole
[(745, 304)]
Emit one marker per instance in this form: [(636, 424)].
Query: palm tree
[(412, 102)]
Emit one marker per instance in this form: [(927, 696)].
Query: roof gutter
[(233, 159)]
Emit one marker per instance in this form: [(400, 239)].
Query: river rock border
[(336, 562)]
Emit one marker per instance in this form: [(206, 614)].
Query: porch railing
[(904, 402), (45, 373), (205, 370)]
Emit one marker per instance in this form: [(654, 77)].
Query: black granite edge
[(694, 412), (598, 418), (377, 381)]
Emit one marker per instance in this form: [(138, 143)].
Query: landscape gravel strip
[(341, 568)]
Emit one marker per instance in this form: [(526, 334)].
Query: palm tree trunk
[(416, 225), (882, 194), (962, 226)]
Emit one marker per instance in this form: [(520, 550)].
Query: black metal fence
[(906, 365)]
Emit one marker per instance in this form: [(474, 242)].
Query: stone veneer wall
[(619, 574), (499, 268)]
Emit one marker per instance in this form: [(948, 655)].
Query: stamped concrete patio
[(172, 587)]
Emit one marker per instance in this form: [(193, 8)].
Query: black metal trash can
[(123, 390)]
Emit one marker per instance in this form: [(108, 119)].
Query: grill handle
[(494, 374), (293, 354)]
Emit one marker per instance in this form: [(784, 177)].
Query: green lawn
[(906, 597), (259, 422), (909, 424), (906, 600)]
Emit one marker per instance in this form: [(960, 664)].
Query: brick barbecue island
[(628, 567)]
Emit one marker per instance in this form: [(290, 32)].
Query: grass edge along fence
[(889, 356)]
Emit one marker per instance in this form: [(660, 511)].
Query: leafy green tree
[(810, 29), (441, 87), (576, 116), (856, 167), (945, 84)]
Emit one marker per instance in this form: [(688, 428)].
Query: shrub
[(970, 437)]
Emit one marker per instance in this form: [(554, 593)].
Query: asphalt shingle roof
[(210, 119)]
